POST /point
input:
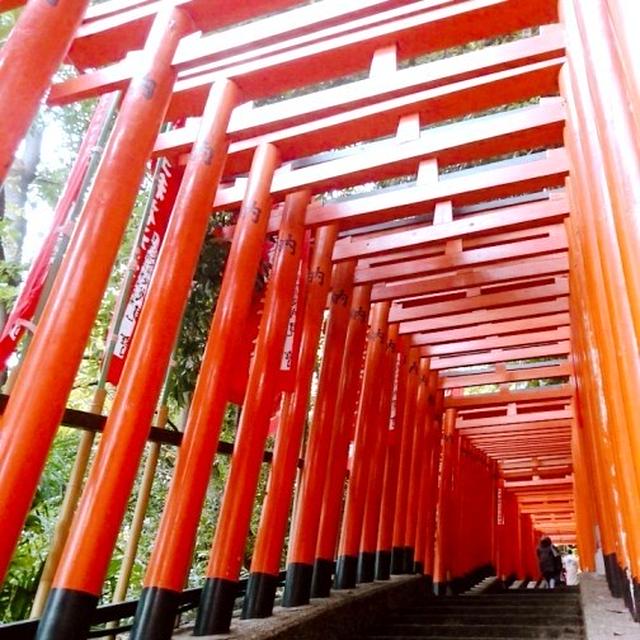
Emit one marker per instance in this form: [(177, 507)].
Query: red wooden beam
[(112, 30), (289, 67), (549, 319), (471, 278), (540, 484), (501, 355), (484, 316), (475, 299), (558, 498), (506, 376), (545, 171), (498, 452), (545, 461), (514, 217), (238, 44), (469, 243), (515, 419), (415, 35), (552, 242), (520, 434), (251, 121), (296, 27), (490, 136), (497, 342)]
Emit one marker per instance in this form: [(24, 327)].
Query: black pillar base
[(636, 599), (156, 614), (397, 560), (346, 571), (67, 616), (612, 571), (458, 585), (627, 591), (418, 567), (383, 565), (322, 578), (260, 596), (408, 559), (216, 607), (440, 588), (366, 566), (428, 585), (297, 588)]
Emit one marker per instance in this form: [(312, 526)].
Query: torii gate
[(506, 255)]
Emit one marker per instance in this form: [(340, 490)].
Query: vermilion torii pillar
[(265, 564), (443, 542), (220, 589), (99, 515), (330, 508), (171, 556), (398, 555), (304, 527), (417, 465), (384, 543), (39, 396), (428, 467), (35, 49), (381, 445), (347, 560)]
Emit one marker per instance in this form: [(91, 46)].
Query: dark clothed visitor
[(550, 562)]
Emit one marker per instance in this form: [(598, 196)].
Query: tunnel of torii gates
[(459, 232)]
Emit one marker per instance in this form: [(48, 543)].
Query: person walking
[(550, 562)]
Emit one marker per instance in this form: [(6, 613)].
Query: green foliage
[(198, 314), (22, 581)]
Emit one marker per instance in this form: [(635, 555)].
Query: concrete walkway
[(604, 616)]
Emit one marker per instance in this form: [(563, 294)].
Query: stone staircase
[(508, 615)]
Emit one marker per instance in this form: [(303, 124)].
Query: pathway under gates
[(447, 193)]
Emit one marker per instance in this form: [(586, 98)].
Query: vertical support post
[(346, 566), (338, 456), (265, 564), (441, 562), (624, 15), (38, 399), (379, 452), (392, 465), (590, 42), (221, 585), (304, 526), (430, 537), (398, 564), (453, 555), (428, 467), (417, 465), (35, 49), (171, 556), (103, 505), (595, 236)]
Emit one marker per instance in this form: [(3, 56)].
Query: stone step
[(482, 631), (462, 636), (466, 617), (494, 608), (527, 614)]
